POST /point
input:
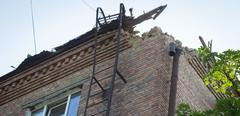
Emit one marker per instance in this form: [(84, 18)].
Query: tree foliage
[(224, 73), (224, 107)]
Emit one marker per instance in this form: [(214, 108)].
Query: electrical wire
[(88, 5), (33, 28)]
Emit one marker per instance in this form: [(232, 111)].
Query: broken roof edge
[(128, 23), (188, 52)]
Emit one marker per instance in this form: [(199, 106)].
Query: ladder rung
[(102, 79), (91, 105), (104, 69), (101, 18), (98, 112), (112, 18), (108, 19)]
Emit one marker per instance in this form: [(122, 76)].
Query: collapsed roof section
[(129, 23)]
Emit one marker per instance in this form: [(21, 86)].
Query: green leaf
[(224, 71)]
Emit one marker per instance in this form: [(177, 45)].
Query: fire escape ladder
[(106, 92)]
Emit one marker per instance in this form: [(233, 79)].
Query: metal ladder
[(106, 92)]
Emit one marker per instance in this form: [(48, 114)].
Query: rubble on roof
[(128, 25)]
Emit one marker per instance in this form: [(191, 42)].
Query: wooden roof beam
[(151, 14)]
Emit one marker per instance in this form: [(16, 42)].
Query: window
[(64, 107)]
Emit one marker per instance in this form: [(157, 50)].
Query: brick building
[(57, 83)]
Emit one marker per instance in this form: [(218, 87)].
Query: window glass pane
[(73, 105), (57, 110), (38, 112)]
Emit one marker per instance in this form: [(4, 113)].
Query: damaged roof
[(128, 22)]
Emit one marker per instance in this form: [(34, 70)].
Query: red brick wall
[(147, 69)]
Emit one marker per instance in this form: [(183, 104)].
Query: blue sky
[(58, 21)]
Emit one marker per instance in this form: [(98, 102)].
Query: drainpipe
[(175, 52)]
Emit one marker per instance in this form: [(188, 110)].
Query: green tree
[(224, 73), (224, 107)]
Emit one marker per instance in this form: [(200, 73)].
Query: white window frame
[(45, 108), (49, 111)]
